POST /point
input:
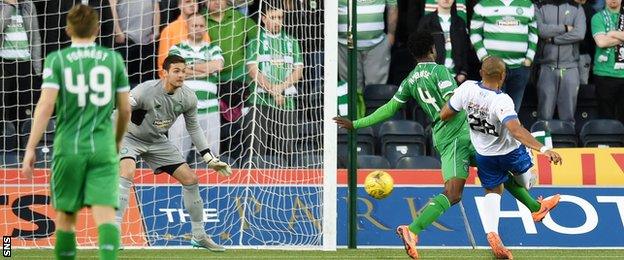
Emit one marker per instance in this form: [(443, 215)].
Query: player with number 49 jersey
[(83, 83), (87, 77)]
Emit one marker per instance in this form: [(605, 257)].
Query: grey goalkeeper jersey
[(154, 111)]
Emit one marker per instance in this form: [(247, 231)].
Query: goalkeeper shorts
[(157, 155)]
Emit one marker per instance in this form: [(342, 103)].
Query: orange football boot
[(409, 240), (545, 207), (498, 249)]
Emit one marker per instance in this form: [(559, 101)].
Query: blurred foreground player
[(85, 82), (156, 104)]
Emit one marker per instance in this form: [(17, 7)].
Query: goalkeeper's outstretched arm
[(383, 113)]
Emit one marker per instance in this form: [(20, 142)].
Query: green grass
[(340, 254)]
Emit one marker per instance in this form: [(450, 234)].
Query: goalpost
[(284, 199)]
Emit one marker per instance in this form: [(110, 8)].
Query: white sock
[(526, 180), (124, 194), (492, 212)]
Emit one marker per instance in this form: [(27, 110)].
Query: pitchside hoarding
[(591, 212)]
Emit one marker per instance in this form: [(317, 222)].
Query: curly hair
[(420, 44)]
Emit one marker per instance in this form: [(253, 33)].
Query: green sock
[(522, 195), (436, 207), (108, 234), (65, 247)]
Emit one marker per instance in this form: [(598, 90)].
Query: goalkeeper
[(431, 85), (156, 104)]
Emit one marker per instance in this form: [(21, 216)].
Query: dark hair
[(420, 44), (172, 59), (83, 21)]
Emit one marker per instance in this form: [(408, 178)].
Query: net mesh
[(274, 197)]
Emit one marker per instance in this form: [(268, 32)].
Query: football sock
[(195, 206), (434, 209), (65, 246), (108, 238), (492, 212), (124, 194), (521, 194), (524, 179)]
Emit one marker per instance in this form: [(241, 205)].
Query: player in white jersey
[(499, 139)]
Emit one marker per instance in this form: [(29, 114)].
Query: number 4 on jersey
[(426, 97)]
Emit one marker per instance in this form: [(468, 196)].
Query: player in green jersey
[(431, 85), (85, 83)]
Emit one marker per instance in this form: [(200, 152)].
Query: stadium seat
[(44, 149), (310, 162), (365, 141), (48, 136), (562, 132), (310, 136), (264, 162), (602, 132), (586, 106), (372, 162), (401, 138), (417, 162), (584, 114), (8, 136), (527, 115), (420, 116), (9, 159), (377, 95), (233, 162), (44, 153)]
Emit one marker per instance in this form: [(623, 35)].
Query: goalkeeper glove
[(217, 165)]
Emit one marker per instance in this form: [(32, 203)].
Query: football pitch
[(339, 254)]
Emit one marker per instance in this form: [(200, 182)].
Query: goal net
[(269, 117)]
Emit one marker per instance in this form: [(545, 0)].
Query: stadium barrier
[(590, 214)]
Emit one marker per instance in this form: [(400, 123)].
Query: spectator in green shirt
[(608, 30), (231, 31), (275, 65)]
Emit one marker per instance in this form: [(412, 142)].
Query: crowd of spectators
[(254, 57), (552, 48)]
